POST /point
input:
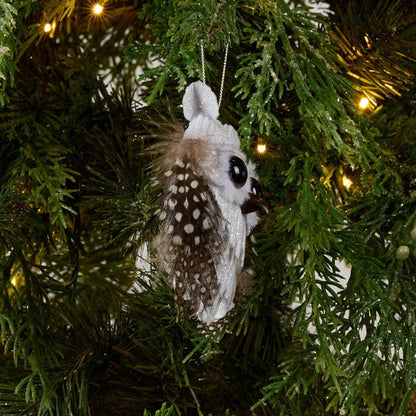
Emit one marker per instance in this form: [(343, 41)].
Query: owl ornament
[(211, 198)]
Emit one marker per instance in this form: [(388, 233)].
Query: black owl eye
[(255, 187), (238, 171)]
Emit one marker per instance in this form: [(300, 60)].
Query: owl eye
[(237, 171), (255, 187)]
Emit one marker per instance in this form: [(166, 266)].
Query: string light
[(364, 102), (261, 148), (347, 182), (97, 9), (50, 28)]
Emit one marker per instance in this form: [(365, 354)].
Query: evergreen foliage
[(86, 332), (7, 43)]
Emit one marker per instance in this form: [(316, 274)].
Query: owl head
[(233, 172)]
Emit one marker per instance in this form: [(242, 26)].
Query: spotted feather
[(190, 241)]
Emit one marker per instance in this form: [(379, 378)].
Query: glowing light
[(364, 102), (97, 9), (50, 28), (261, 148), (347, 182)]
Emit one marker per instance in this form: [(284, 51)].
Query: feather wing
[(191, 237)]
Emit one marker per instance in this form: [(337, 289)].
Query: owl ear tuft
[(199, 100)]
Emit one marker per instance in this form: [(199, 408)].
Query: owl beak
[(254, 203)]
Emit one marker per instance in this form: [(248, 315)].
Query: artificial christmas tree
[(89, 327)]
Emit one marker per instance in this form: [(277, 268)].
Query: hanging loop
[(224, 66), (203, 62), (223, 74)]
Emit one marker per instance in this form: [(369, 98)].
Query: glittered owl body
[(206, 183)]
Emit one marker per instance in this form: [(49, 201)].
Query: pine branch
[(7, 45), (378, 68)]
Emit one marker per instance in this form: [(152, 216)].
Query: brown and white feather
[(191, 237)]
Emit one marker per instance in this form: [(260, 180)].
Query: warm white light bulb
[(261, 148), (364, 103), (347, 182), (50, 28), (97, 9)]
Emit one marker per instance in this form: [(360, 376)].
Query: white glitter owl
[(210, 199)]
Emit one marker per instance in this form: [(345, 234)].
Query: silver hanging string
[(223, 75), (223, 70), (203, 62)]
